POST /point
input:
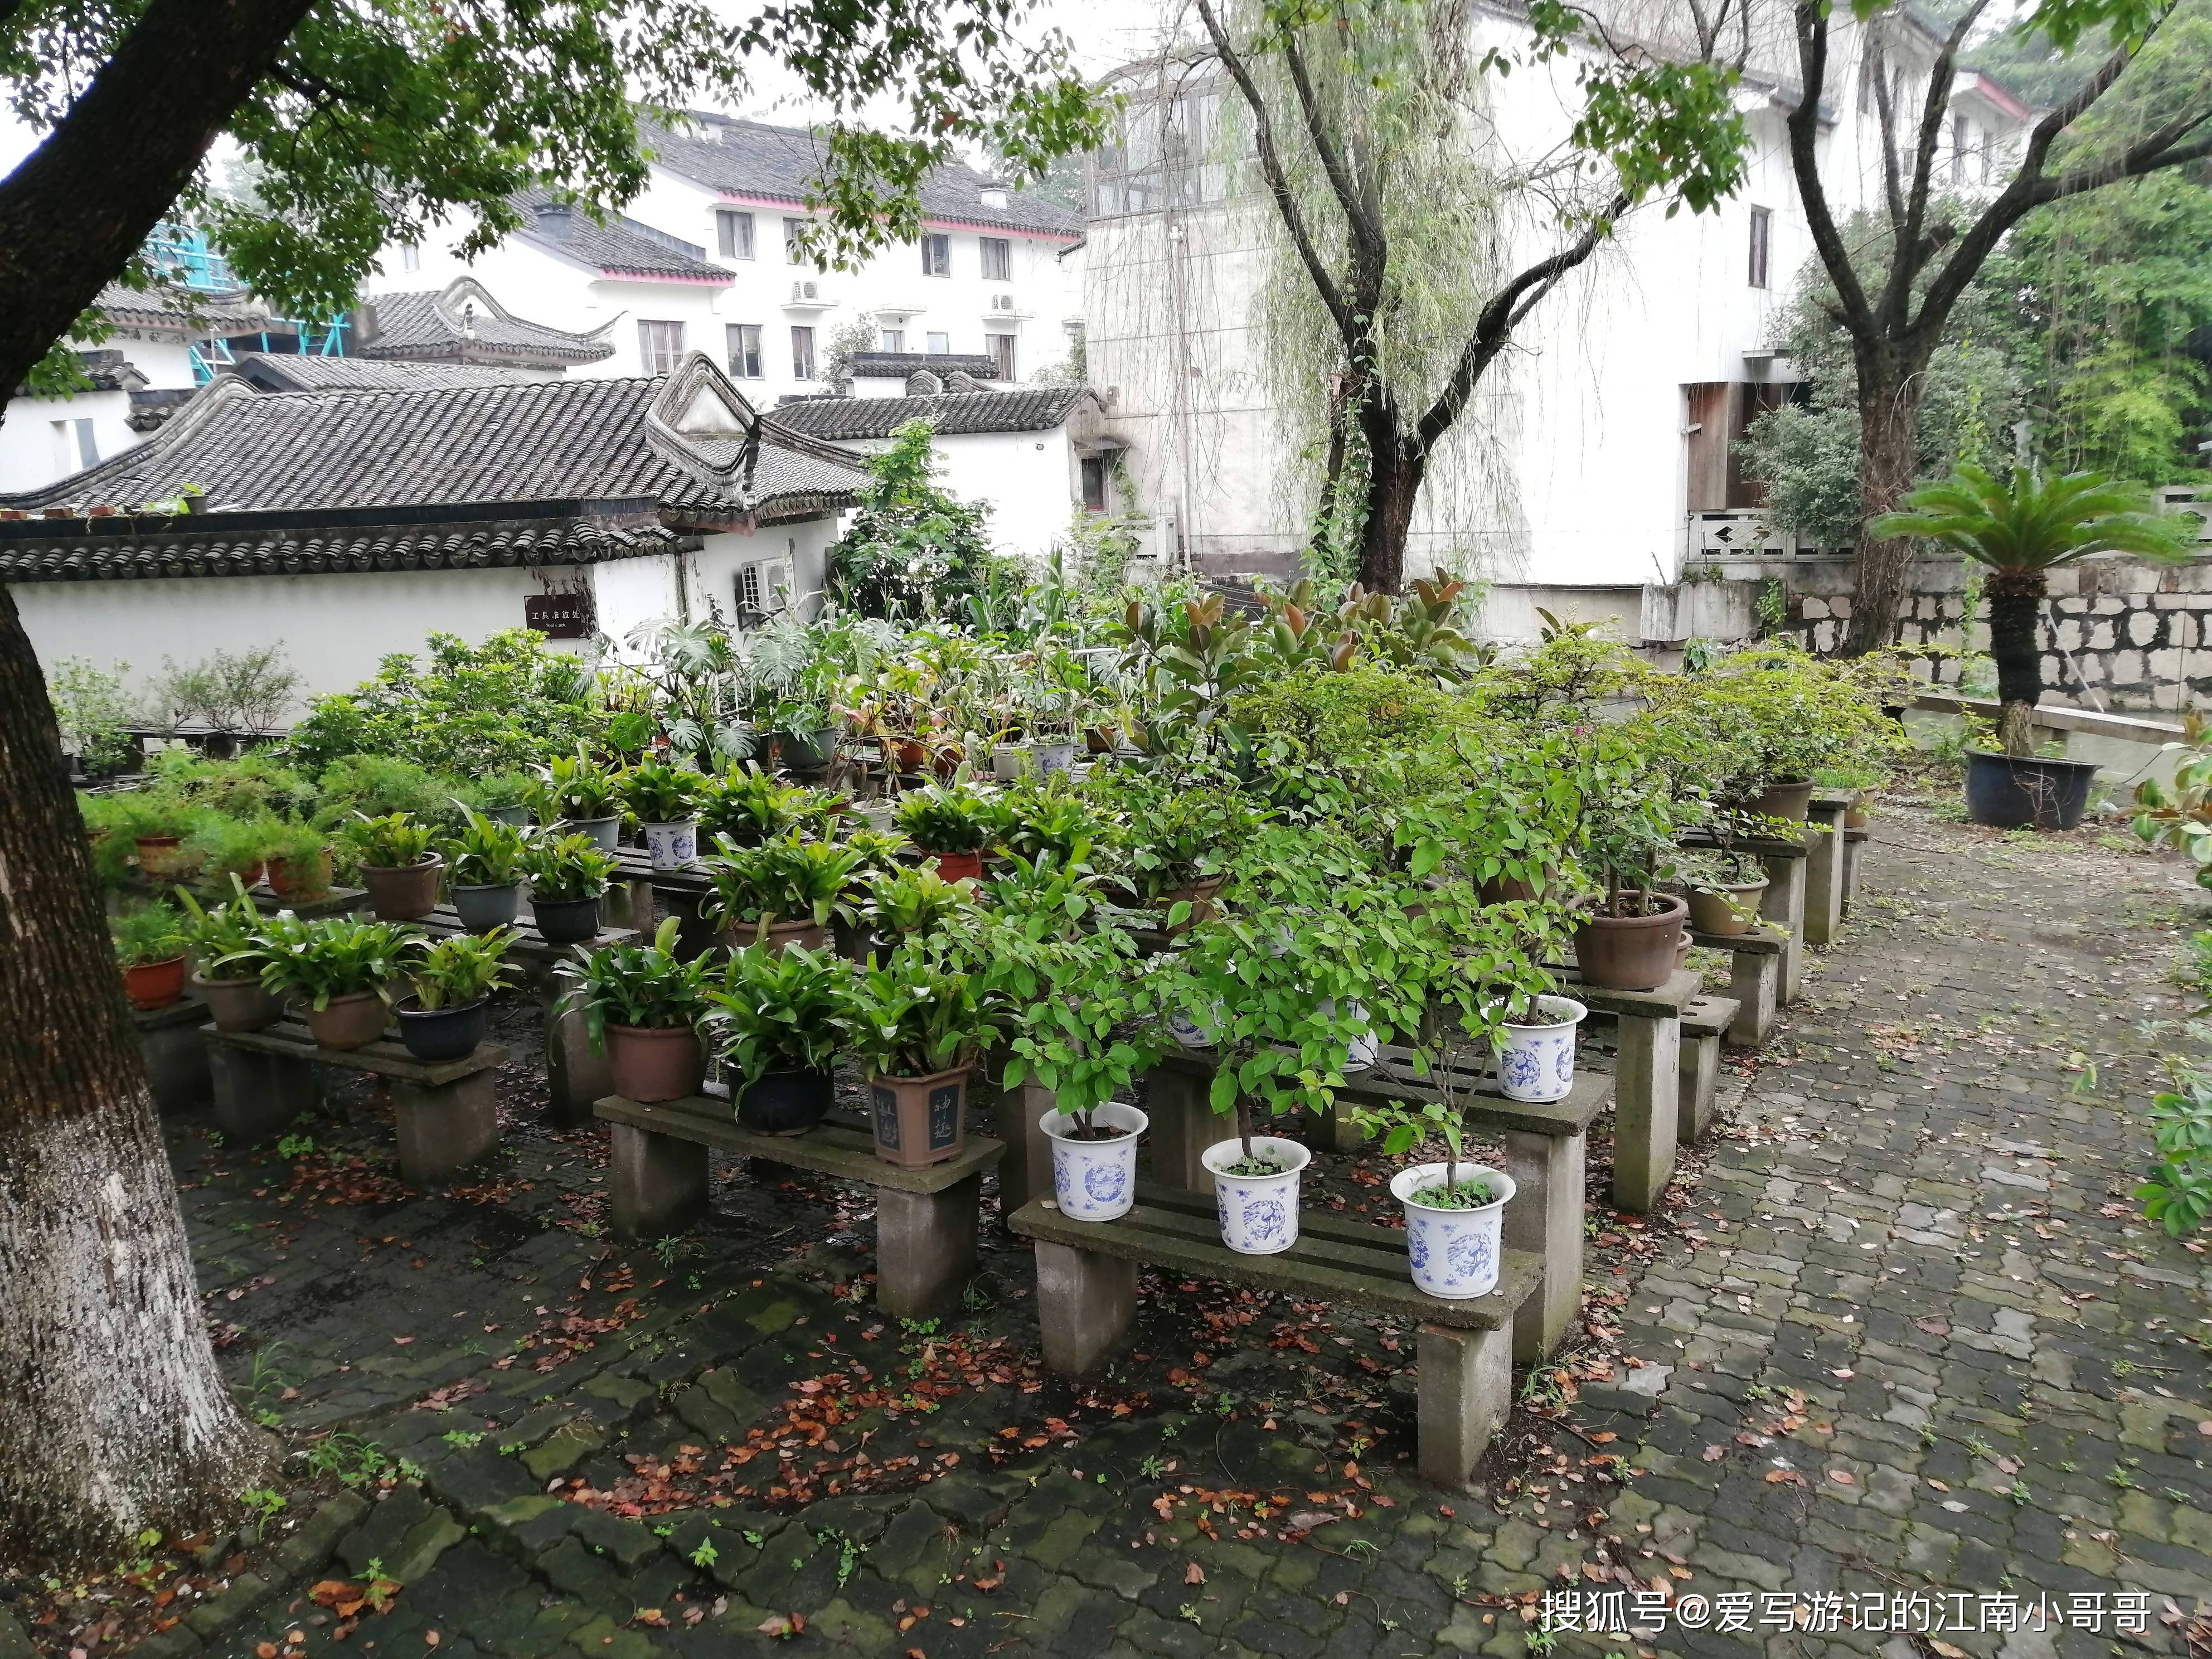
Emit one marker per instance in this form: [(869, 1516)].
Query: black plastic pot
[(566, 922), (433, 1035), (787, 1103), (483, 908), (2014, 792)]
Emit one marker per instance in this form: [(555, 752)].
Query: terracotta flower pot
[(1714, 912), (350, 1022), (403, 892), (655, 1062), (1199, 895), (807, 934), (958, 866), (1785, 800), (920, 1120), (904, 755), (1860, 812), (301, 879), (238, 1004), (1630, 953), (155, 984), (160, 856)]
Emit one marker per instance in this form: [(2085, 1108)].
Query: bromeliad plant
[(485, 853), (917, 1016), (462, 968), (395, 841), (790, 1010), (636, 985), (330, 956), (781, 880), (567, 867), (658, 792), (940, 819), (577, 789), (229, 932)]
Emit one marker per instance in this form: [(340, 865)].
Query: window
[(659, 346), (793, 230), (1762, 244), (749, 591), (998, 258), (894, 339), (75, 447), (744, 350), (1094, 483), (937, 256), (1001, 347), (940, 345), (802, 354), (410, 256), (733, 234), (1165, 153)]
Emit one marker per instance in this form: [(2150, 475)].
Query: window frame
[(793, 228), (742, 349), (936, 243), (1760, 261), (940, 345), (804, 366), (650, 342), (726, 223), (999, 251)]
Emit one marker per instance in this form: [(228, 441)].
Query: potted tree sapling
[(149, 944), (918, 1025), (2019, 530), (780, 1016), (229, 934), (339, 971), (300, 867), (642, 1008), (398, 865), (951, 825), (568, 876), (785, 891), (1182, 842), (453, 978), (1630, 934), (665, 799), (484, 871), (582, 797), (1723, 889)]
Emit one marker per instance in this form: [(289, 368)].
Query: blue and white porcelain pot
[(1095, 1180), (1454, 1253), (1537, 1061), (672, 846), (1259, 1213), (1189, 1032)]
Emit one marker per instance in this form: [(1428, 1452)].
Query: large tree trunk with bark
[(2015, 618), (114, 1417), (1889, 465), (1395, 471)]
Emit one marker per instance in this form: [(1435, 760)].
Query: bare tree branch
[(1367, 238), (1933, 107), (1804, 128)]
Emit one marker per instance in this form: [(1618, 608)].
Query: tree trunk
[(1889, 463), (2015, 616), (114, 1417), (1395, 471)]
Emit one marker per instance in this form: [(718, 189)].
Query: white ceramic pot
[(1259, 1213), (672, 846), (1454, 1253), (1010, 761), (1057, 756), (1363, 1047), (1095, 1180), (1537, 1062)]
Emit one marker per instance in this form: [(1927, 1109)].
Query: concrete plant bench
[(446, 1114), (1783, 904), (1756, 962), (1855, 843), (926, 1219), (1704, 1020), (1826, 858), (574, 1076), (1087, 1299), (1647, 1086), (176, 1059)]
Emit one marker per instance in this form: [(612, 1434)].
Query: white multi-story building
[(1591, 449)]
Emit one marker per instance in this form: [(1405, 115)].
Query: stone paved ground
[(1901, 1328)]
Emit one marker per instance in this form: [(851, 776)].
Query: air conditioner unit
[(805, 291), (764, 588), (1002, 302)]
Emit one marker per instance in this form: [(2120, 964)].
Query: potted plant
[(1630, 936), (484, 871), (748, 806), (2019, 530), (781, 1015), (157, 823), (568, 876), (221, 847), (505, 797), (910, 906), (664, 799), (784, 891), (583, 797), (1861, 783), (397, 864), (230, 934), (642, 1008), (1181, 842), (951, 824), (299, 864), (338, 968), (453, 979), (149, 944), (918, 1026), (1722, 889)]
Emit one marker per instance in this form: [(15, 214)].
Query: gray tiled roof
[(178, 547), (1032, 409), (620, 247), (752, 158), (180, 310), (898, 365), (463, 323), (536, 440), (289, 371)]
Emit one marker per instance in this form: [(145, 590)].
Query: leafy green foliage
[(657, 792), (394, 841), (781, 1010), (940, 819), (913, 551), (788, 878), (228, 932), (577, 788), (94, 713), (2177, 1194), (148, 933), (330, 956), (566, 867), (905, 906), (636, 985), (485, 853), (916, 1016), (748, 806), (462, 968)]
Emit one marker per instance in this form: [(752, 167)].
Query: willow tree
[(1406, 214), (366, 121), (2146, 107)]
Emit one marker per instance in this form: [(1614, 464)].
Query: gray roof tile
[(620, 247), (463, 323), (1032, 409), (289, 372)]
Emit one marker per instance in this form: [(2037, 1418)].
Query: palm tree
[(2021, 530)]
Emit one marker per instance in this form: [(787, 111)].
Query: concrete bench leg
[(657, 1184), (631, 904), (1701, 1083), (1646, 1106), (574, 1076), (926, 1247), (1824, 877), (1546, 1217), (177, 1067), (1783, 904), (256, 1094), (445, 1129), (1854, 851), (1465, 1391), (1086, 1304), (1025, 1172), (1184, 1126), (1755, 983)]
